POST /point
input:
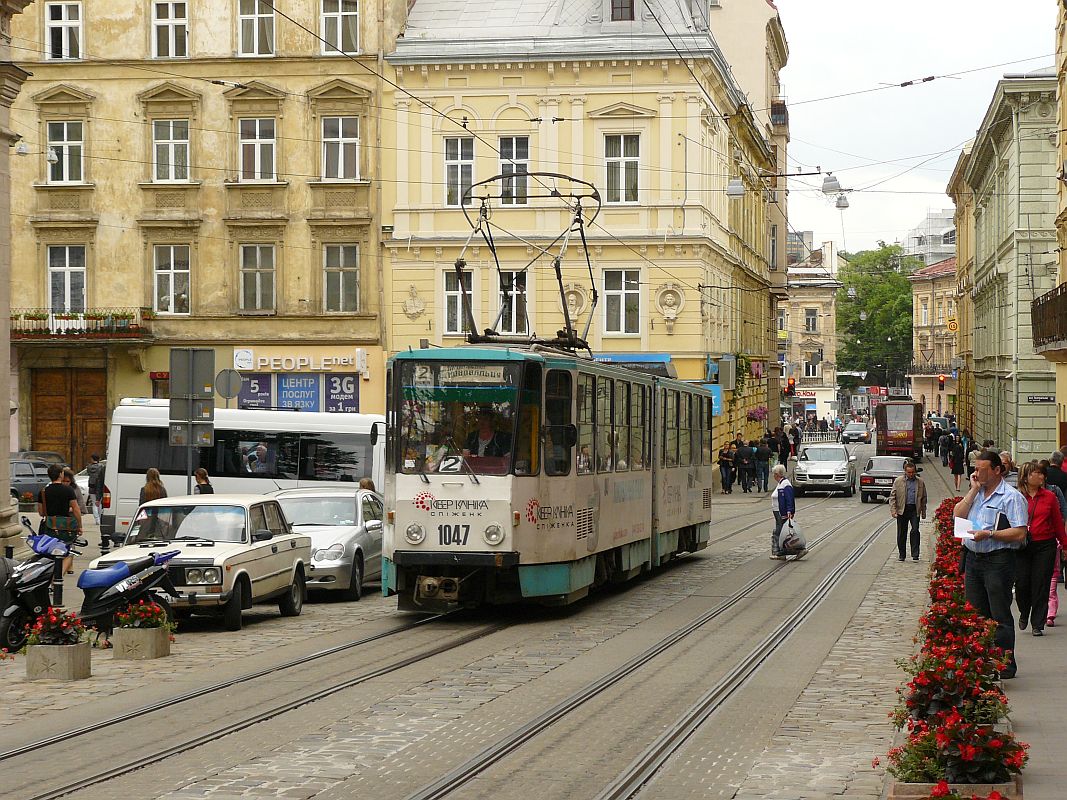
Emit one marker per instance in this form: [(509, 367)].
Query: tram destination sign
[(1041, 398)]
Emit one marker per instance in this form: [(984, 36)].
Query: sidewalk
[(1038, 700)]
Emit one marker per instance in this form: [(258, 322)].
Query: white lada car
[(235, 550)]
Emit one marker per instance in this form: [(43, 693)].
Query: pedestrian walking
[(1055, 476), (61, 516), (1011, 472), (367, 483), (763, 466), (795, 436), (1036, 560), (957, 463), (1057, 567), (944, 447), (998, 515), (726, 467), (203, 482), (745, 461), (783, 506), (153, 488), (784, 450), (907, 505), (95, 471)]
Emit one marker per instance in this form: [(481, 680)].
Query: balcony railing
[(93, 324), (1048, 316), (930, 369)]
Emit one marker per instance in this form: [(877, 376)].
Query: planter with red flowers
[(144, 632), (952, 709), (55, 649)]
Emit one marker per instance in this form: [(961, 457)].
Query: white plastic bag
[(793, 540)]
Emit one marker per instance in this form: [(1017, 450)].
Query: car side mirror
[(262, 536), (374, 432), (851, 458), (373, 525)]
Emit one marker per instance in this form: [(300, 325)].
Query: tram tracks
[(458, 777)]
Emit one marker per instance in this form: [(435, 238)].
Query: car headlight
[(212, 575), (414, 533), (194, 576), (334, 552), (494, 534)]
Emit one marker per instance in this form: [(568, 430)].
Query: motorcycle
[(106, 590), (25, 594)]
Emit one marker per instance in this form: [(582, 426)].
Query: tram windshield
[(478, 417)]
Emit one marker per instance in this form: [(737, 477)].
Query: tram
[(532, 473)]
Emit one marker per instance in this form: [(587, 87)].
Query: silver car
[(825, 467), (345, 526)]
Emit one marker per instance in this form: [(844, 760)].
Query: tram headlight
[(494, 534), (414, 533)]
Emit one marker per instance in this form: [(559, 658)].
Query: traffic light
[(941, 383), (791, 387)]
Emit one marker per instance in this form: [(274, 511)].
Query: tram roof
[(469, 354)]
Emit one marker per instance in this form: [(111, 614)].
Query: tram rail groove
[(472, 768), (193, 694), (262, 716), (644, 768)]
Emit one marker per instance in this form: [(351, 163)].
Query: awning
[(650, 363)]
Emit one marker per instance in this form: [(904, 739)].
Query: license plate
[(884, 481)]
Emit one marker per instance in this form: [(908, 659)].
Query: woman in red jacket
[(1033, 571)]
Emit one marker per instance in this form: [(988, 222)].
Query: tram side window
[(527, 454), (705, 437), (638, 428), (605, 450), (586, 428), (684, 436), (335, 457), (622, 426), (557, 418), (670, 420)]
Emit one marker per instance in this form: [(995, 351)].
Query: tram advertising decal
[(549, 518), (424, 501)]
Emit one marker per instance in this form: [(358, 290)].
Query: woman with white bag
[(786, 540)]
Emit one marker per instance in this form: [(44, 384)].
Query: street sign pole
[(192, 404)]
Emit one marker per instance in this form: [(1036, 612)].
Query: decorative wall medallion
[(576, 300), (670, 300), (413, 305)]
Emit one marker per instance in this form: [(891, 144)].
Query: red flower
[(941, 790)]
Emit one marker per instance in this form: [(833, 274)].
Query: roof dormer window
[(622, 10)]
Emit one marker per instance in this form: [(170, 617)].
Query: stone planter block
[(914, 791), (140, 644), (58, 662)]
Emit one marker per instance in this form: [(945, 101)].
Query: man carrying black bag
[(907, 505)]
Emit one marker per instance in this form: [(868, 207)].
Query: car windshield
[(319, 510), (885, 464), (899, 417), (167, 523), (823, 454), (856, 426)]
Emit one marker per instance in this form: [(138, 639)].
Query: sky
[(839, 46)]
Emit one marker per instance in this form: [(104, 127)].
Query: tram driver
[(485, 439)]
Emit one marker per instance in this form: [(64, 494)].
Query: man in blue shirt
[(998, 515)]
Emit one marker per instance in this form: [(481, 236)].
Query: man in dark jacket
[(784, 450), (763, 465), (1055, 476), (745, 460)]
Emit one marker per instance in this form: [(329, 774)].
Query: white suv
[(235, 550)]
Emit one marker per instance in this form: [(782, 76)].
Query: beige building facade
[(935, 325), (963, 197), (807, 335), (196, 174), (681, 271)]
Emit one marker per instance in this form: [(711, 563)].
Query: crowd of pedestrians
[(748, 463)]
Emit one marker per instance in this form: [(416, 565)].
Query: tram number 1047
[(453, 534)]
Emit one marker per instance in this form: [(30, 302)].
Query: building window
[(63, 29), (66, 140), (940, 314), (622, 301), (340, 26), (170, 26), (172, 278), (513, 303), (622, 152), (459, 168), (622, 10), (924, 314), (811, 320), (514, 163), (811, 370), (257, 277), (170, 150), (781, 319), (773, 250), (340, 148), (341, 278), (256, 28), (454, 302), (66, 277), (257, 149)]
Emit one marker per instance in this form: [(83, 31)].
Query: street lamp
[(830, 184), (735, 187), (23, 149)]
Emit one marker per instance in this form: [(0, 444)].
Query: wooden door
[(69, 413)]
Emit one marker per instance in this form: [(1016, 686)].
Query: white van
[(255, 452)]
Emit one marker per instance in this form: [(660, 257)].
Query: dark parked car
[(856, 432), (28, 476), (877, 479)]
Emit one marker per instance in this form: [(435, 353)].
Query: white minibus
[(255, 451)]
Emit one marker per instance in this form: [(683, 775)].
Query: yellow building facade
[(963, 197), (681, 271), (196, 174), (934, 318)]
